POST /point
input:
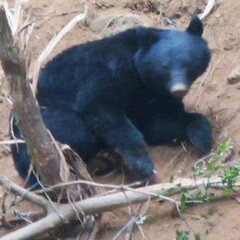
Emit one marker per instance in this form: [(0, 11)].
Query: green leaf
[(182, 235)]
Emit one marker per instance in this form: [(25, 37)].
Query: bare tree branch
[(44, 154), (22, 192), (99, 204)]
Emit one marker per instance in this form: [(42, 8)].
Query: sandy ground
[(211, 95)]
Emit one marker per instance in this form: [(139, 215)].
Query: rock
[(234, 76), (109, 25)]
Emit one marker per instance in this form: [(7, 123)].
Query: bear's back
[(63, 76)]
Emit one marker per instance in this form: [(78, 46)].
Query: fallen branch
[(208, 9), (111, 186), (99, 204), (25, 105), (49, 162), (25, 194), (9, 142)]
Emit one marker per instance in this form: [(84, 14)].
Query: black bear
[(122, 93)]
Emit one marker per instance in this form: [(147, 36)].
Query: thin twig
[(131, 222), (208, 9), (121, 188), (10, 142), (100, 204), (25, 194), (44, 17)]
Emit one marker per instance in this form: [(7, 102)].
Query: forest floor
[(212, 94)]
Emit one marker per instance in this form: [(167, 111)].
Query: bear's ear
[(147, 36), (195, 27)]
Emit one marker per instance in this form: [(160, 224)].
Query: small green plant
[(211, 165), (182, 235), (208, 168), (183, 201), (201, 196), (169, 191), (198, 171), (229, 177), (145, 219), (223, 148)]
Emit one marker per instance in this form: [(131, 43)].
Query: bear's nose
[(179, 90)]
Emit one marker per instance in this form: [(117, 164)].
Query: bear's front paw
[(141, 168), (199, 132)]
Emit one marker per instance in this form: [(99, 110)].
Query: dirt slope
[(211, 95)]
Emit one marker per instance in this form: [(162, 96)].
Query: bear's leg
[(66, 127), (69, 128), (20, 154), (199, 132), (119, 134), (164, 130), (167, 129)]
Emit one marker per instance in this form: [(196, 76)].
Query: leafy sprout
[(182, 235), (223, 148), (229, 176)]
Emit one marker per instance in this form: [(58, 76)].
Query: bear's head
[(170, 60)]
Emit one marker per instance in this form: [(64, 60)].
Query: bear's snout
[(179, 90)]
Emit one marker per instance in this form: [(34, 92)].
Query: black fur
[(117, 93)]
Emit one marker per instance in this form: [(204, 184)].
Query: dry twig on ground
[(208, 9), (99, 204)]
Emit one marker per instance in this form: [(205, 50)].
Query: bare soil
[(211, 95)]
